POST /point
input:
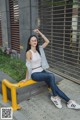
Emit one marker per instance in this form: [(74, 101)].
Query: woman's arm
[(46, 41), (28, 58)]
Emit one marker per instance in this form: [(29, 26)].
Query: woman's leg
[(59, 92), (50, 80), (43, 76), (57, 89)]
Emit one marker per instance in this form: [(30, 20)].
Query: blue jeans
[(49, 78)]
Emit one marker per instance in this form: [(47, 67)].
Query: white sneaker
[(56, 101), (72, 104)]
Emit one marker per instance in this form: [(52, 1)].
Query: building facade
[(17, 20), (59, 20)]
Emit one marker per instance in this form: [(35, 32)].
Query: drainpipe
[(30, 18)]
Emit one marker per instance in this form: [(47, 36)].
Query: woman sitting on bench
[(36, 63)]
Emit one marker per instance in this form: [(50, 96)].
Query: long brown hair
[(29, 46)]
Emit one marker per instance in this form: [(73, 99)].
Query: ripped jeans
[(49, 78)]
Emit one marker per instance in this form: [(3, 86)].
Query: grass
[(15, 68)]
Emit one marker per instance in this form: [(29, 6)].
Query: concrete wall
[(34, 14), (5, 23), (27, 19)]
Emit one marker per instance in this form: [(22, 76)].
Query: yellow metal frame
[(13, 87)]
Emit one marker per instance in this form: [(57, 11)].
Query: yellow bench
[(13, 87)]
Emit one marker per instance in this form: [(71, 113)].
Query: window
[(14, 23)]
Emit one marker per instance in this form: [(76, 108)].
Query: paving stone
[(40, 107)]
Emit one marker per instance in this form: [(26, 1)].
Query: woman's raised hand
[(36, 31)]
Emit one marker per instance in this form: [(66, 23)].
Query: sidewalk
[(40, 107)]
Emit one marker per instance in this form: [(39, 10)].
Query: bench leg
[(15, 106), (4, 91)]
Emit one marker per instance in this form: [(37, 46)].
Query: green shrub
[(13, 67)]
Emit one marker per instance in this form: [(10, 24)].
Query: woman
[(35, 69)]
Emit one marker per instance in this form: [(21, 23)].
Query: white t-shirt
[(36, 62)]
